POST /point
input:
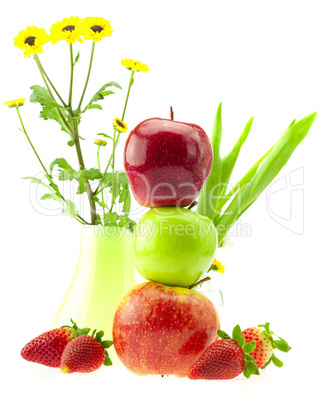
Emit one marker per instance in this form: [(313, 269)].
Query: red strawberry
[(85, 354), (226, 358), (263, 354), (47, 348)]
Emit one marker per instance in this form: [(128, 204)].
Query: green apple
[(174, 246), (163, 330)]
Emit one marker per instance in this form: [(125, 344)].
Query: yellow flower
[(31, 40), (134, 65), (119, 125), (69, 29), (100, 142), (96, 28), (217, 266), (15, 103)]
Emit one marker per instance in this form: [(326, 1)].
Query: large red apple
[(163, 330), (167, 162)]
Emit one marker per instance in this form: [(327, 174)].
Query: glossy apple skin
[(163, 330), (173, 246), (167, 162)]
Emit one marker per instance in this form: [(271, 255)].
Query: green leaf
[(70, 143), (241, 184), (62, 164), (127, 200), (276, 361), (107, 361), (92, 174), (101, 93), (271, 166), (99, 335), (36, 181), (105, 135), (106, 93), (110, 219), (107, 180), (42, 96), (51, 196), (229, 161), (107, 344), (94, 106), (55, 193), (281, 345), (70, 209), (238, 336), (125, 221), (222, 334), (50, 108), (100, 203), (248, 357), (249, 347), (250, 368), (99, 219), (266, 327), (278, 157), (207, 201), (77, 58), (82, 187), (268, 362), (52, 113)]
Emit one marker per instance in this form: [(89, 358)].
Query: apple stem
[(171, 113), (194, 203), (199, 282)]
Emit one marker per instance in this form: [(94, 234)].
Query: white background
[(270, 60)]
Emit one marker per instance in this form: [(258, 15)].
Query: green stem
[(97, 191), (113, 176), (88, 75), (127, 96), (48, 176), (82, 167), (99, 168), (243, 182), (42, 72), (72, 74), (26, 134), (39, 64)]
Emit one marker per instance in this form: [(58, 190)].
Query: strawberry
[(225, 358), (85, 354), (48, 347), (263, 354)]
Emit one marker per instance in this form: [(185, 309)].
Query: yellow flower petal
[(96, 28), (31, 40), (134, 65), (69, 29), (100, 142), (217, 266), (15, 103), (119, 125)]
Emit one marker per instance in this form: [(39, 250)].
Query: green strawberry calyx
[(280, 344), (97, 335), (250, 367), (78, 331)]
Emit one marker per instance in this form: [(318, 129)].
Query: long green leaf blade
[(279, 156), (229, 161), (269, 169), (207, 202)]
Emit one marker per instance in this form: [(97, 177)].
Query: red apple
[(167, 162), (163, 330)]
